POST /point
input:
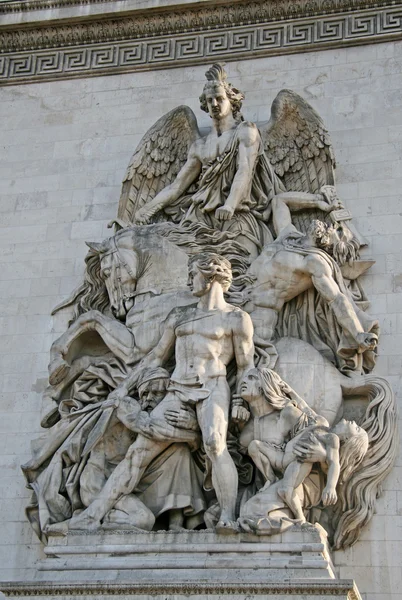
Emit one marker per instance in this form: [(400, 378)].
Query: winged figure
[(223, 179), (228, 178)]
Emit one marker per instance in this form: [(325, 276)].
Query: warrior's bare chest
[(215, 146), (213, 327)]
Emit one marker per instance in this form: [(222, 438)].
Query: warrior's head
[(152, 384), (204, 269), (334, 239), (219, 97)]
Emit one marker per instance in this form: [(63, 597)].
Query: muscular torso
[(280, 276), (204, 344), (207, 149)]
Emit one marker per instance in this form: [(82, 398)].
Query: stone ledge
[(342, 588), (81, 43), (187, 557)]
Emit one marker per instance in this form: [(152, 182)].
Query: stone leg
[(212, 415), (294, 475), (122, 481), (262, 456)]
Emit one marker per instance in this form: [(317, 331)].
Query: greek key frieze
[(191, 48)]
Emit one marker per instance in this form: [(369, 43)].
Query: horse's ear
[(95, 246)]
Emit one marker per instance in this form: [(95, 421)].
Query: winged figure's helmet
[(216, 77)]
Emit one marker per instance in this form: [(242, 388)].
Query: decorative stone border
[(336, 588), (74, 53)]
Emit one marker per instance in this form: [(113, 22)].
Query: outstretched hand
[(329, 496), (331, 200), (224, 213), (112, 401), (143, 215), (240, 414)]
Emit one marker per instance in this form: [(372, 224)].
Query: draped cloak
[(62, 456), (213, 188)]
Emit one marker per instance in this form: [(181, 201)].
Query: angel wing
[(298, 145), (300, 150), (157, 159)]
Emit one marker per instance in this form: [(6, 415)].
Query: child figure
[(343, 447)]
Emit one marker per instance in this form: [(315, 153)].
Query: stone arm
[(304, 407), (156, 358), (249, 144), (186, 176), (287, 202), (332, 446), (129, 413), (243, 346), (342, 307)]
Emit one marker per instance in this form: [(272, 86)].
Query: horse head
[(138, 261), (121, 265)]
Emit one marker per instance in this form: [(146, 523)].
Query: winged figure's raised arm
[(157, 160)]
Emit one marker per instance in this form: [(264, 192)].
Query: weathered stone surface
[(383, 300)]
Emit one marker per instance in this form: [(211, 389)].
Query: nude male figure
[(204, 339), (289, 266)]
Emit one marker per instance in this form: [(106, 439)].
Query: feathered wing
[(157, 159), (298, 144), (299, 148)]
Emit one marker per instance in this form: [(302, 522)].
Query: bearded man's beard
[(345, 251)]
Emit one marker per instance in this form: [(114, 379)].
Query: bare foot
[(58, 369), (247, 525), (227, 527), (57, 528), (84, 522)]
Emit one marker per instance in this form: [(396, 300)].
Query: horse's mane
[(192, 238), (91, 294), (196, 238)]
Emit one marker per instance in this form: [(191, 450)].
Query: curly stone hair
[(214, 268), (346, 250), (216, 77)]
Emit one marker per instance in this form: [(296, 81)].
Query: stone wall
[(64, 149)]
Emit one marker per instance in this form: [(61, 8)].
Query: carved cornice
[(29, 5), (189, 34), (182, 20), (334, 588), (269, 8)]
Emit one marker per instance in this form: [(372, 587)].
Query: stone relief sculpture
[(216, 341)]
